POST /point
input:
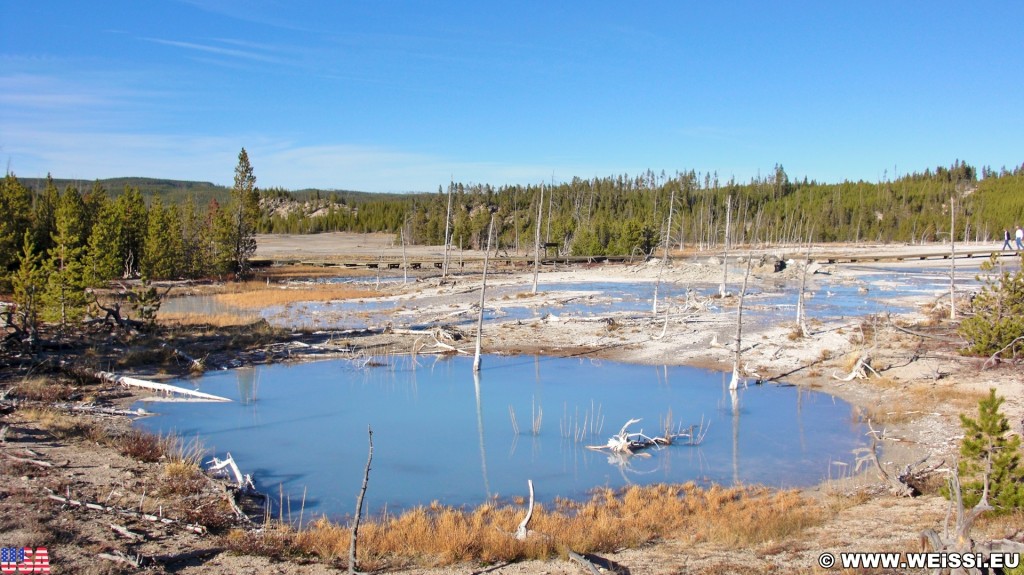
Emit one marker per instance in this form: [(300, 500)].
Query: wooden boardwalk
[(825, 255)]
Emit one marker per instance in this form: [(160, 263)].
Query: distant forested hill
[(169, 191)]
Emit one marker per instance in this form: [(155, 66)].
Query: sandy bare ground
[(923, 385)]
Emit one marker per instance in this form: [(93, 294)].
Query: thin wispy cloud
[(252, 55)]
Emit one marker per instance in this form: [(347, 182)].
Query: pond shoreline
[(924, 385)]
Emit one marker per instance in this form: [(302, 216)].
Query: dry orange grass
[(212, 320), (442, 535), (905, 402), (256, 295)]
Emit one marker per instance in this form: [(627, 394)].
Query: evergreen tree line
[(624, 215), (55, 244)]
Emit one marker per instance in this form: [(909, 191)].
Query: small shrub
[(998, 319), (139, 445)]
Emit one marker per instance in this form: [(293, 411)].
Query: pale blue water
[(440, 435)]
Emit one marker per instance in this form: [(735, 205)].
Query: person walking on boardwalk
[(1019, 235), (1006, 240)]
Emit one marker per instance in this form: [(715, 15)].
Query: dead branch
[(961, 541), (124, 532), (901, 484), (994, 359), (35, 462), (583, 561), (352, 566), (196, 365), (120, 557), (859, 370), (922, 335)]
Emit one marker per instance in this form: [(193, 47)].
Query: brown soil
[(923, 384)]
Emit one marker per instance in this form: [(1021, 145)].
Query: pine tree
[(44, 216), (28, 284), (103, 260), (237, 223), (195, 242), (988, 448), (16, 211), (132, 221), (163, 249), (65, 299)]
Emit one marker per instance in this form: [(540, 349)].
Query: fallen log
[(163, 387), (98, 410), (35, 462), (193, 527)]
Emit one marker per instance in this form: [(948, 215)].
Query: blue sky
[(405, 95)]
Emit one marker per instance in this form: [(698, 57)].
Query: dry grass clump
[(59, 425), (150, 448), (145, 355), (255, 295), (441, 535), (43, 389), (212, 320), (906, 402), (183, 474)]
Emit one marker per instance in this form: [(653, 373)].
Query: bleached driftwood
[(626, 442), (162, 387), (222, 468)]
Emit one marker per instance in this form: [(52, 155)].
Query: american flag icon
[(24, 560)]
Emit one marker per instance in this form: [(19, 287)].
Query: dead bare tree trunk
[(952, 257), (536, 244), (405, 260), (725, 249), (523, 531), (483, 292), (801, 320), (447, 227), (352, 565), (668, 235), (736, 375)]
